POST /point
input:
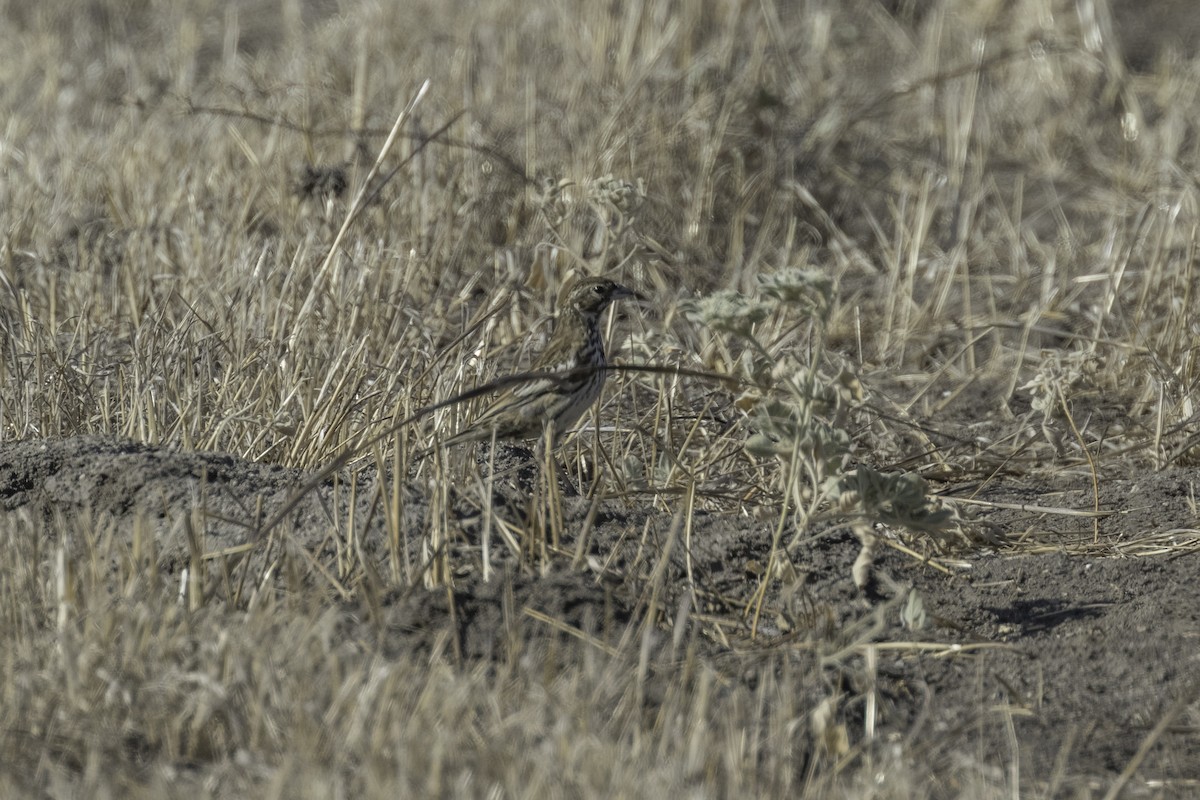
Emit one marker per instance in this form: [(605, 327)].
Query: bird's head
[(592, 295)]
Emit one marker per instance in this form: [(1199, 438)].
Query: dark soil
[(1070, 659)]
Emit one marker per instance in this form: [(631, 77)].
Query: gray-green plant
[(798, 411)]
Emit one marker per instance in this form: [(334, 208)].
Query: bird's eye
[(598, 288)]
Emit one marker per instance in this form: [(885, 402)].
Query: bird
[(565, 379)]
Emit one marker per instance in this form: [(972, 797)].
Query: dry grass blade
[(1188, 698), (356, 207)]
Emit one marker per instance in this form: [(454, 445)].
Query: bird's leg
[(560, 471), (545, 512)]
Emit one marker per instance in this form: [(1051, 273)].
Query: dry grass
[(1000, 211)]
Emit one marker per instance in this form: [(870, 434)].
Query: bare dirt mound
[(116, 481), (1064, 665)]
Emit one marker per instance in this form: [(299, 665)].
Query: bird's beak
[(625, 291)]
